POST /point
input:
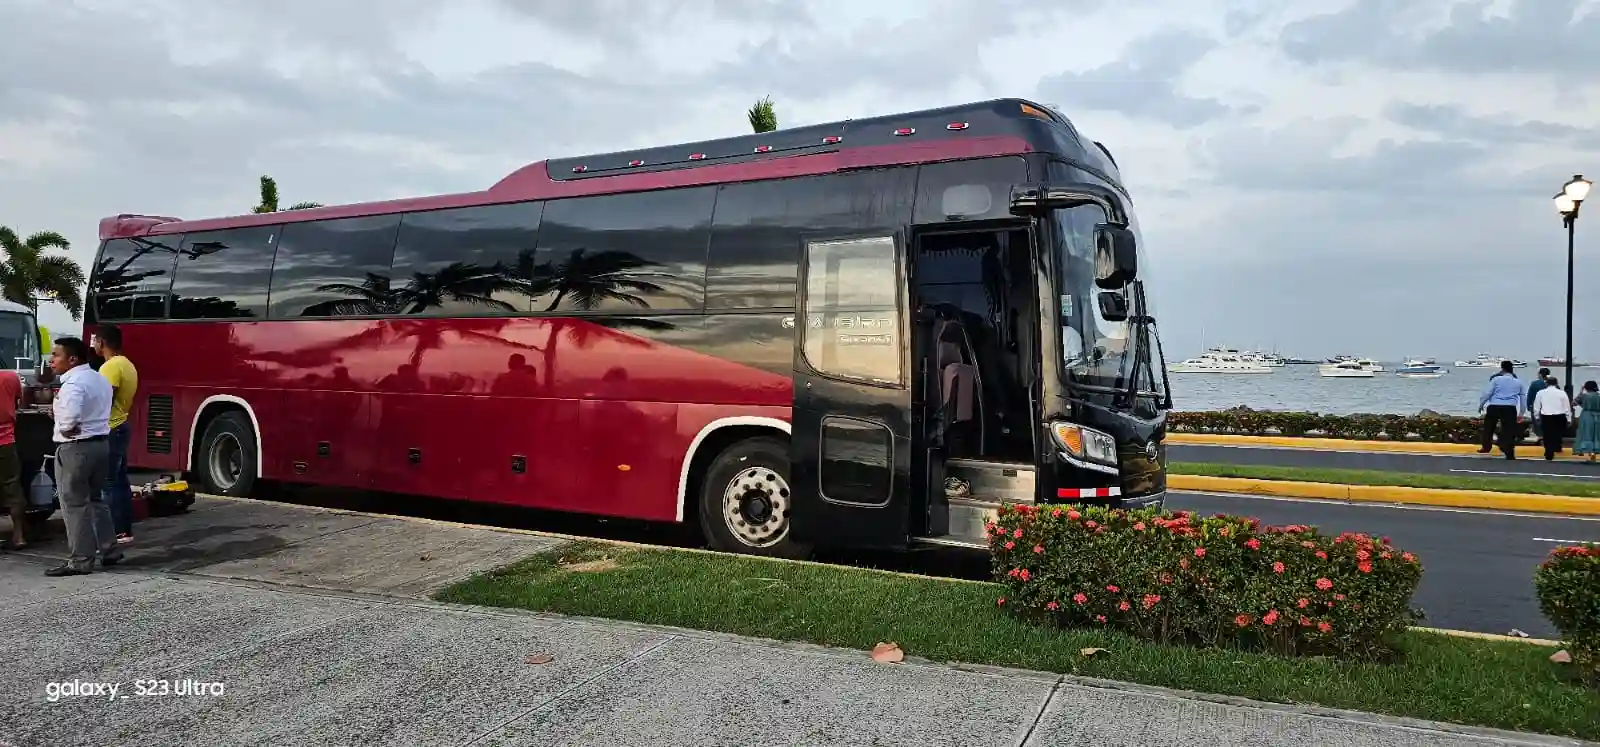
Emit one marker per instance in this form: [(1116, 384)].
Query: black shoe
[(111, 560), (66, 570)]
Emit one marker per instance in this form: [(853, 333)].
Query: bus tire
[(226, 463), (745, 501)]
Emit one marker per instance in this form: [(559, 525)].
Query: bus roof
[(988, 128), (13, 307)]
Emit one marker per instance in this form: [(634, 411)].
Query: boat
[(1419, 369), (1556, 361), (1482, 360), (1210, 362), (1345, 370), (1300, 361), (1369, 364)]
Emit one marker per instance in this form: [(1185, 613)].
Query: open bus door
[(850, 450)]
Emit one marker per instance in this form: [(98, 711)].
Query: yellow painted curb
[(1342, 444), (1527, 502)]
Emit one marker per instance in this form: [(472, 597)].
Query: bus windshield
[(19, 341), (1094, 351)]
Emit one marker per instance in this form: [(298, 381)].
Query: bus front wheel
[(227, 458), (745, 501)]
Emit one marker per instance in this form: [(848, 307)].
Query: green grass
[(1539, 485), (1489, 683)]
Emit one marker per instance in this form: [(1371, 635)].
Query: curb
[(1338, 444), (1521, 502)]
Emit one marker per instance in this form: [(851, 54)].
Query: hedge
[(1568, 586), (1223, 580), (1431, 427)]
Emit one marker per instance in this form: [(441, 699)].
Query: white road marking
[(1527, 474), (1564, 542), (1400, 506)]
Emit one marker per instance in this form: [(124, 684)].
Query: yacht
[(1369, 364), (1345, 370), (1482, 360), (1210, 362), (1415, 368)]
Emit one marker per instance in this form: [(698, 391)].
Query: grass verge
[(1536, 485), (1488, 683)]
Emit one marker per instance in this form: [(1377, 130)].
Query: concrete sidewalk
[(299, 665)]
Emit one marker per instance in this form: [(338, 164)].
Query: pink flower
[(1305, 622), (1365, 567), (1056, 513), (1001, 602), (988, 527), (1308, 544), (1024, 575), (1017, 533), (1362, 555), (1253, 543), (1074, 515), (1409, 558), (1091, 524), (1324, 584), (1324, 627), (1150, 600), (1322, 555), (1271, 618), (1224, 531), (1138, 527), (1242, 620), (1183, 563), (1277, 567), (1124, 606), (1080, 597), (1199, 552), (1302, 603), (1113, 589), (1100, 618), (1052, 606), (1009, 544), (1339, 597), (1038, 549)]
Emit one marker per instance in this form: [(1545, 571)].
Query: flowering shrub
[(1246, 422), (1568, 584), (1177, 578)]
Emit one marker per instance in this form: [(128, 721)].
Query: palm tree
[(269, 198), (27, 273), (763, 118)]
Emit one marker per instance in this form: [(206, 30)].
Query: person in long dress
[(1587, 405)]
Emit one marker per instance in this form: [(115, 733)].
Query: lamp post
[(1568, 201)]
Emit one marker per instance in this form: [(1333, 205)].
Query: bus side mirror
[(1113, 306), (1116, 257)]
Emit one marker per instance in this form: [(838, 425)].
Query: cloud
[(1473, 36), (1146, 82), (1504, 129)]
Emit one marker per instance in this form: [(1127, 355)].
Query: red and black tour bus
[(867, 333)]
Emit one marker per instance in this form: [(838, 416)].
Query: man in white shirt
[(1552, 406), (82, 414)]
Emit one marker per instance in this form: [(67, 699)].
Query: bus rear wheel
[(745, 501), (227, 458)]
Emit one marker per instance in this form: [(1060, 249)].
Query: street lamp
[(1568, 201)]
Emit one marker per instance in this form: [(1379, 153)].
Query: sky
[(1311, 176)]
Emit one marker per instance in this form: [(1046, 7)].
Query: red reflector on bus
[(636, 163), (763, 148), (956, 126), (579, 169), (696, 156), (903, 131), (831, 139)]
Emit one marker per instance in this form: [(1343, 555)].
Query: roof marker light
[(903, 131), (763, 148), (696, 156), (831, 139), (636, 163), (579, 169), (956, 126)]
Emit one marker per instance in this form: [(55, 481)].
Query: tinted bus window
[(335, 268), (467, 261), (979, 189), (756, 240), (131, 278), (224, 274), (643, 251)]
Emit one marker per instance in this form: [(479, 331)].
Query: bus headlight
[(1085, 444)]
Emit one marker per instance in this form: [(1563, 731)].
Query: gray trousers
[(81, 468)]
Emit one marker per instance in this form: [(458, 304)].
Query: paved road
[(1477, 565), (1529, 462)]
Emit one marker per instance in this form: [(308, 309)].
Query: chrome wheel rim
[(226, 460), (755, 507)]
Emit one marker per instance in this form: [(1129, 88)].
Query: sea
[(1298, 388)]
